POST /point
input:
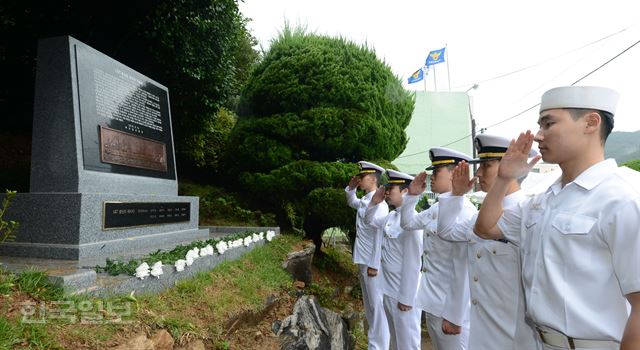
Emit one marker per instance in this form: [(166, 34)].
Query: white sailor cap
[(441, 156), (587, 97), (492, 147), (369, 168), (398, 178)]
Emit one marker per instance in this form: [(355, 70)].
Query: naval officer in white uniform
[(497, 300), (400, 257), (446, 304), (579, 240), (366, 253)]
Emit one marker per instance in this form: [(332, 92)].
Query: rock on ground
[(298, 264), (311, 327)]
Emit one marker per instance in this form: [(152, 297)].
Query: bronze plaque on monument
[(118, 147)]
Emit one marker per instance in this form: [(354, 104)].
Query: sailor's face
[(367, 181), (560, 137), (487, 173), (393, 195), (441, 180)]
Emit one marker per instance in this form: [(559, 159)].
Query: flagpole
[(446, 54), (424, 80), (435, 81)]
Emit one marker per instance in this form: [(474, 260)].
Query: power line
[(543, 61), (538, 104), (574, 83)]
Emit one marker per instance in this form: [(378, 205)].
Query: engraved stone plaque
[(127, 214), (118, 103), (118, 147)]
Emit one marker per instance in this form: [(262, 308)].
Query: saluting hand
[(419, 184), (514, 163), (353, 183), (460, 181), (378, 197)]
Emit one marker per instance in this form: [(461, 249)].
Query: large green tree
[(311, 108), (319, 98)]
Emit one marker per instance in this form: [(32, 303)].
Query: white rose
[(142, 271), (222, 247), (270, 235), (180, 263), (156, 270)]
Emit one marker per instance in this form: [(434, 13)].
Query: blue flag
[(435, 57), (416, 76)]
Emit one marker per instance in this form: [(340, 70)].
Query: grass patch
[(202, 307), (38, 286), (198, 307), (8, 334), (7, 282), (38, 337)]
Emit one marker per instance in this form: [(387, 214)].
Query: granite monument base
[(93, 226)]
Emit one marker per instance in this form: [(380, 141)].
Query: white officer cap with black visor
[(369, 168), (397, 178), (441, 156), (492, 147), (583, 97)]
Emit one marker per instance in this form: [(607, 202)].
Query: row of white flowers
[(221, 247)]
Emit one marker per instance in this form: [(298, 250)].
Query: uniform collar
[(369, 195), (591, 177)]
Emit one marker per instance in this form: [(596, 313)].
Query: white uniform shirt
[(400, 255), (366, 250), (497, 299), (436, 294), (580, 248)]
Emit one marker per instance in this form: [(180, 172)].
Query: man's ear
[(404, 190), (593, 120)]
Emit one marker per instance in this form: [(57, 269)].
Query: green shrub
[(633, 164), (7, 228), (207, 146), (326, 208), (220, 207), (318, 98)]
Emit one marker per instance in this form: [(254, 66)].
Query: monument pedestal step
[(79, 276), (73, 226)]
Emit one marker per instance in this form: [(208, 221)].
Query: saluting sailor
[(400, 257), (366, 252), (446, 304), (497, 300), (579, 240)]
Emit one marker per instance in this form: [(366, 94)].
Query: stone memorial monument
[(103, 174)]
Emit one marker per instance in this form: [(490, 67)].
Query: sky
[(562, 39)]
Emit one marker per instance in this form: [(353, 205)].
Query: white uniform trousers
[(404, 326), (441, 341), (374, 309)]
